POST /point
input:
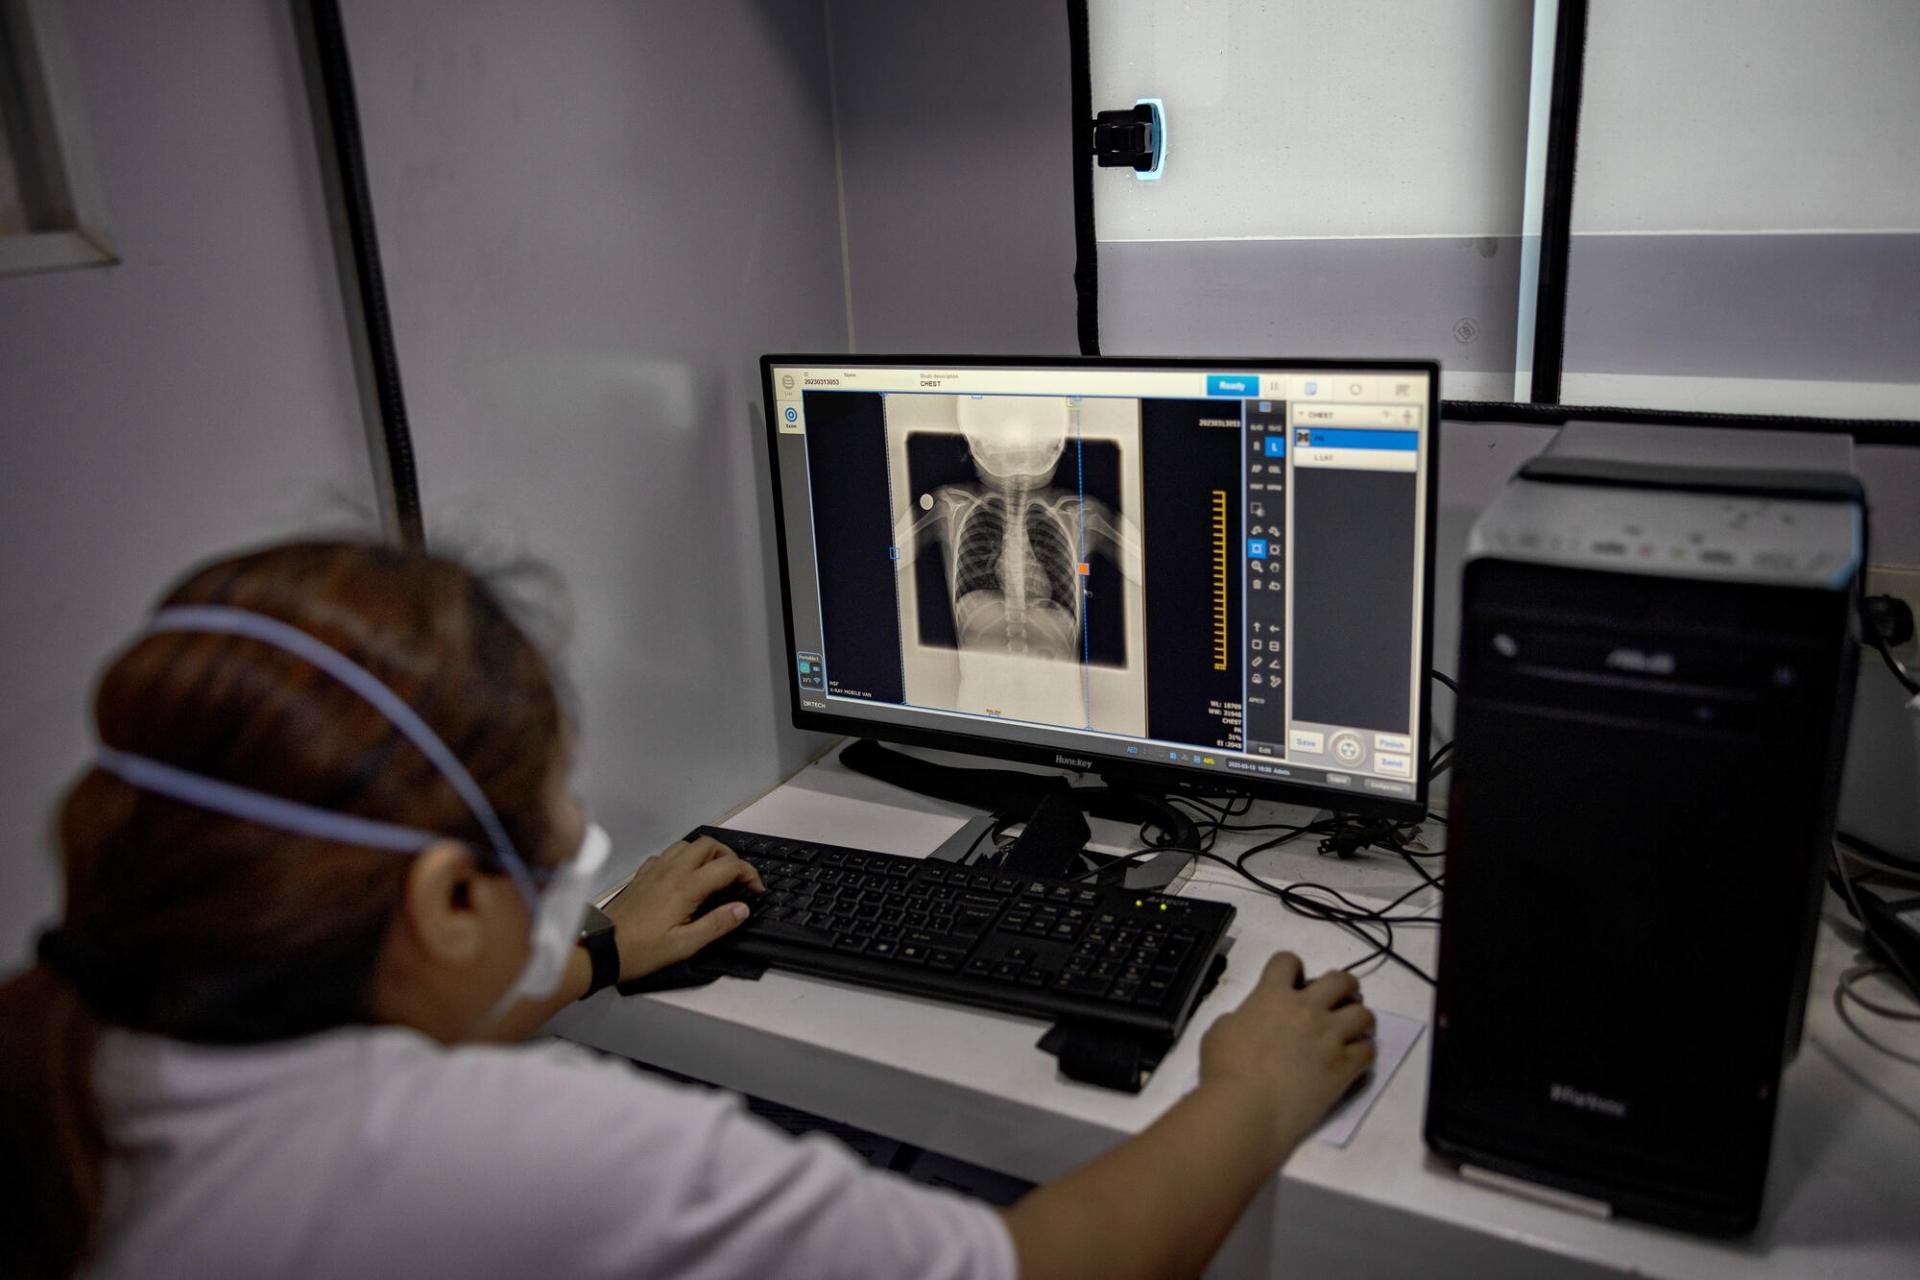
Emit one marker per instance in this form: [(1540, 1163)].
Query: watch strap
[(603, 954)]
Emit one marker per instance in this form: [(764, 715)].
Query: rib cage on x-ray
[(1014, 573)]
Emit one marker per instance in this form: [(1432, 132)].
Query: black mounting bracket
[(1129, 138)]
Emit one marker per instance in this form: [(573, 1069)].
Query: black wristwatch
[(596, 935)]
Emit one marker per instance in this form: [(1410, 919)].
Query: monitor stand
[(1011, 796)]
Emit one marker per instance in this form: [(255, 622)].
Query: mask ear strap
[(257, 806), (290, 815)]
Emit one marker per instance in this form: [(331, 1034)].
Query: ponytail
[(51, 1136)]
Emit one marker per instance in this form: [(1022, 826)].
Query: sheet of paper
[(1394, 1035), (1393, 1038), (800, 814)]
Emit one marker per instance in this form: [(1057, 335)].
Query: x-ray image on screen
[(1020, 572)]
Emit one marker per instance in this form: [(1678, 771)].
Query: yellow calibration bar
[(1219, 579)]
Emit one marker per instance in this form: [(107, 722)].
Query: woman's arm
[(1160, 1204)]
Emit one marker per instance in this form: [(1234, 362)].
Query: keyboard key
[(807, 932), (945, 959), (983, 901), (1083, 984), (1087, 896), (1124, 992), (979, 967), (883, 947), (1034, 978), (912, 953), (972, 921), (855, 942), (1007, 971)]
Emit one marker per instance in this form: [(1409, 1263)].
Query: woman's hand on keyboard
[(654, 917)]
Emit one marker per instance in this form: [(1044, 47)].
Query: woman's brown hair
[(187, 923)]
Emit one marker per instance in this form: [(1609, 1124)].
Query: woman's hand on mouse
[(653, 916), (1292, 1047)]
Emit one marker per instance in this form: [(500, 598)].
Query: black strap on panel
[(1556, 213), (1086, 265), (336, 124)]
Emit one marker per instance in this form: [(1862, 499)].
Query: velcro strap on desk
[(1094, 1053), (1105, 1056), (697, 972)]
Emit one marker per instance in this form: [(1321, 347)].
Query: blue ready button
[(1233, 384), (1256, 548)]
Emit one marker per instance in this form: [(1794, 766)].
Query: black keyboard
[(1066, 950)]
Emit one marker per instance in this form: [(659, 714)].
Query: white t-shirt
[(377, 1152)]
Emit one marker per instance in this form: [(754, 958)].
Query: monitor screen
[(1205, 576)]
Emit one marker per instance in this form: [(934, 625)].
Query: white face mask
[(556, 922)]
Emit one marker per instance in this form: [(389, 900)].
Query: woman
[(326, 847)]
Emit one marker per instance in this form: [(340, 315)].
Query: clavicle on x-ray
[(1020, 572)]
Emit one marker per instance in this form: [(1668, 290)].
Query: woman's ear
[(442, 913)]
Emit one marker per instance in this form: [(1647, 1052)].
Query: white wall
[(196, 397), (595, 217)]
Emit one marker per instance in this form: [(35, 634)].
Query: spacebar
[(782, 931)]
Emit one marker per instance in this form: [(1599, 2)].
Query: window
[(50, 207), (1738, 229)]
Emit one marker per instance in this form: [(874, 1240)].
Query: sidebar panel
[(1266, 557)]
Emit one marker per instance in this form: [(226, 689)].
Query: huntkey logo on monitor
[(1568, 1096), (1072, 762)]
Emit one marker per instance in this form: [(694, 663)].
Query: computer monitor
[(1202, 576)]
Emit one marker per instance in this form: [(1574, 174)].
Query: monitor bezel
[(1145, 774)]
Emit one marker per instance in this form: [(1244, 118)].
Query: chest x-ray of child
[(1021, 579)]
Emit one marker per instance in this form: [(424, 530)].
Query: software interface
[(1217, 570)]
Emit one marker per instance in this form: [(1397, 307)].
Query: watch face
[(593, 921)]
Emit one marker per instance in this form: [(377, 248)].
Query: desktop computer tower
[(1658, 643)]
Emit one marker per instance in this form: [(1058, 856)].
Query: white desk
[(1843, 1197)]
